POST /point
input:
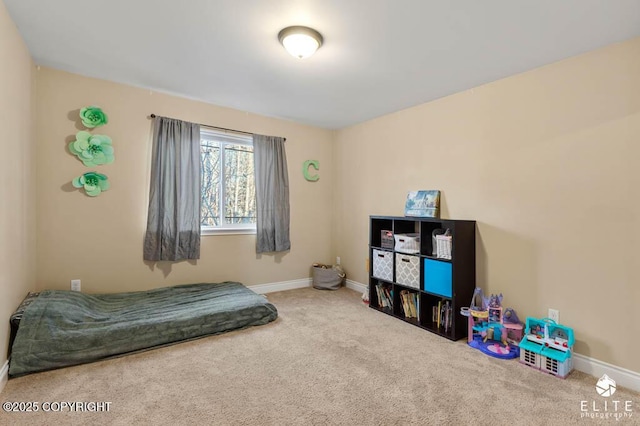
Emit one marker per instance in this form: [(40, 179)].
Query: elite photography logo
[(606, 386), (604, 407)]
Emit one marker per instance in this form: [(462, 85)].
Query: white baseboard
[(301, 283), (359, 287), (4, 375), (281, 286), (623, 377)]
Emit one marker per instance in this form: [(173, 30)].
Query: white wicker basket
[(407, 243), (443, 246)]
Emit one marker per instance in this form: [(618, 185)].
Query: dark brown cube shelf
[(446, 285)]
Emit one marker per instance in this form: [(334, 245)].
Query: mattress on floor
[(16, 317), (63, 328)]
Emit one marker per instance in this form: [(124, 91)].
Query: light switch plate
[(75, 285)]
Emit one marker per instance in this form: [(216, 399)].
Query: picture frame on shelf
[(423, 203)]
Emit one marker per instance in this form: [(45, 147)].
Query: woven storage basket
[(443, 244), (407, 243)]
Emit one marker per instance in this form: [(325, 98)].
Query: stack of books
[(385, 296), (410, 304), (442, 315)]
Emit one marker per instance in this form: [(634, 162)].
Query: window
[(227, 183)]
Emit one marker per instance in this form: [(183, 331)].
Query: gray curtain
[(272, 194), (173, 222)]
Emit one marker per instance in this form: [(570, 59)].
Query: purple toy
[(510, 316)]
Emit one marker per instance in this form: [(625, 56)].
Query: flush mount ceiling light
[(301, 42)]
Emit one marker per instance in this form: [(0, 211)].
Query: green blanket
[(62, 328)]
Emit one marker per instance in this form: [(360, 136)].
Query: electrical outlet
[(554, 314), (75, 285), (337, 260)]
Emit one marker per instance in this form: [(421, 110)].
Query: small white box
[(383, 264), (408, 270), (407, 243)]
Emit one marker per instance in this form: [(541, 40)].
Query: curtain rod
[(219, 128)]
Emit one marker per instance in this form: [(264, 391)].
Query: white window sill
[(227, 231)]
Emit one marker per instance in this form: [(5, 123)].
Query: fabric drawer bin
[(407, 243), (437, 277), (408, 270), (383, 265)]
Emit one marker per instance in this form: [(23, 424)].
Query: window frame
[(224, 139)]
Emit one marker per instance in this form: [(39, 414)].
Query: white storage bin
[(383, 264), (408, 270), (407, 243), (443, 244)]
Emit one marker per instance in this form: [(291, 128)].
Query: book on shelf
[(409, 303), (385, 296), (442, 315), (414, 309), (405, 304), (445, 314)]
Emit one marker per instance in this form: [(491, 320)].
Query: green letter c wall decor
[(305, 170)]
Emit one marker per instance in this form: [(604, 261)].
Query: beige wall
[(99, 240), (546, 162), (17, 175)]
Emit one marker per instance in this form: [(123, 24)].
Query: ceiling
[(379, 56)]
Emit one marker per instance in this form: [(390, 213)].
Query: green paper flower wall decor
[(93, 116), (92, 182), (92, 150)]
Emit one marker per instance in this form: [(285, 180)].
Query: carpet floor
[(328, 359)]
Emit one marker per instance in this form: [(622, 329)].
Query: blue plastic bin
[(437, 277)]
